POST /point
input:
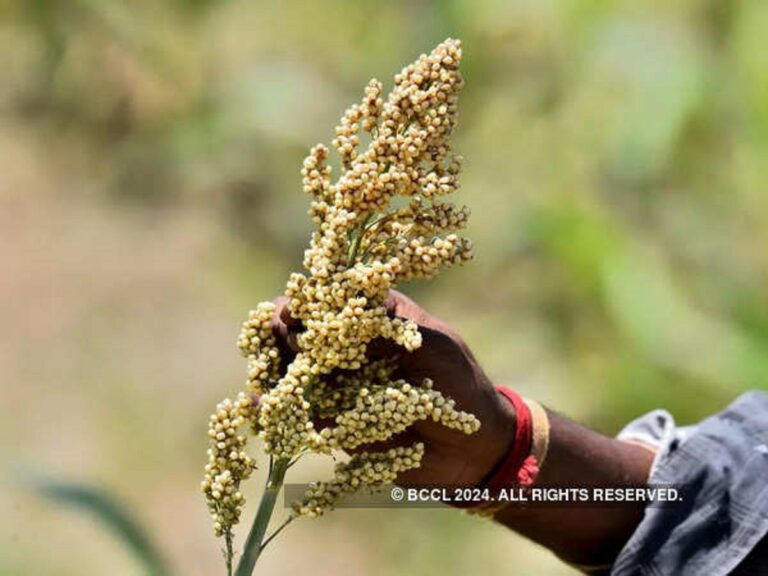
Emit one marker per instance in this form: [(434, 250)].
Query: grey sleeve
[(721, 468)]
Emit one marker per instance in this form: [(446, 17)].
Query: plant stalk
[(229, 553), (356, 239), (253, 545)]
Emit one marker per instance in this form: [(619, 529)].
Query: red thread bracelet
[(519, 467)]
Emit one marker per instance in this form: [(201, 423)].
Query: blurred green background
[(616, 164)]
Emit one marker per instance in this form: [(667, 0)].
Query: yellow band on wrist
[(540, 443)]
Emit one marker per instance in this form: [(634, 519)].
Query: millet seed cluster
[(384, 220)]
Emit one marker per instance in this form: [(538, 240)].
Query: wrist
[(520, 463), (497, 437)]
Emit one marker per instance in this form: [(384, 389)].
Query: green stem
[(276, 532), (253, 545), (356, 239), (229, 553)]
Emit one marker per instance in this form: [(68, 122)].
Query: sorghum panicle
[(361, 247)]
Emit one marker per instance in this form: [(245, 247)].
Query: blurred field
[(616, 165)]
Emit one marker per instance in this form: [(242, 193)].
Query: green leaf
[(112, 514)]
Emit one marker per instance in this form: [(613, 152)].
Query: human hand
[(452, 458)]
